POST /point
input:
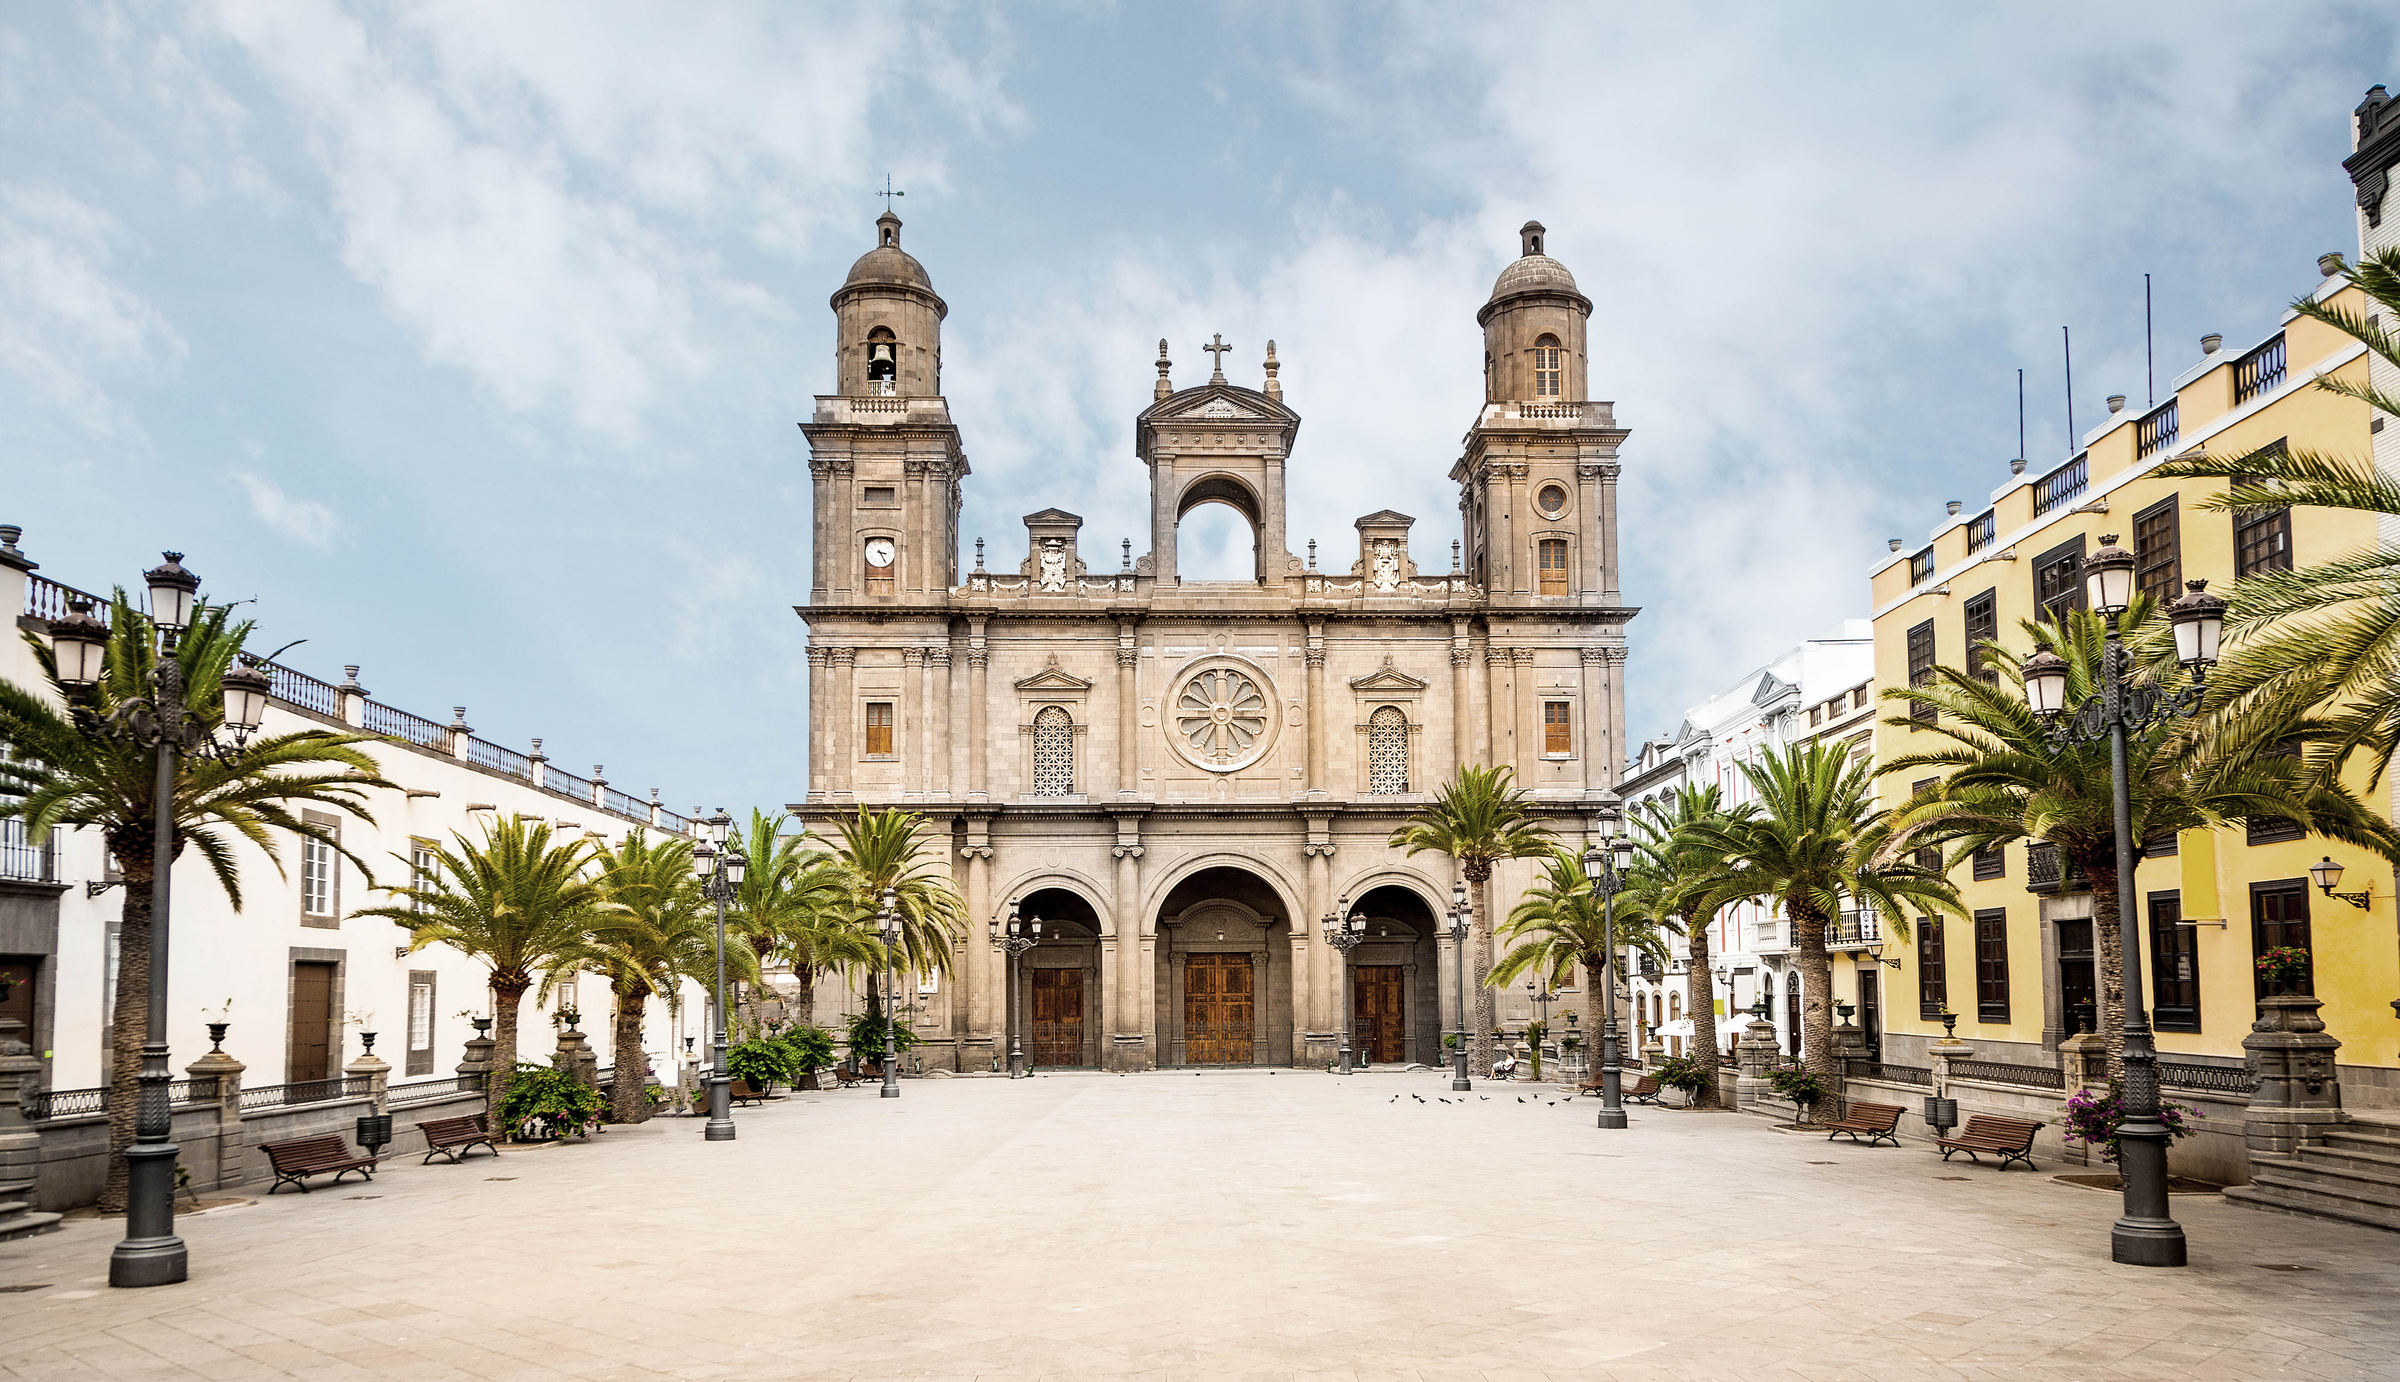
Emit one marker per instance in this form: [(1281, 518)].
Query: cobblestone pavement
[(1172, 1225)]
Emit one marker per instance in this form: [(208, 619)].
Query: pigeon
[(1520, 1098), (1488, 1098), (1395, 1098), (1437, 1096)]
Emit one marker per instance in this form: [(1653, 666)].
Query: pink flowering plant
[(2283, 964), (2094, 1120)]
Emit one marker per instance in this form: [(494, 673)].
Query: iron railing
[(432, 1091), (1893, 1074), (2060, 485), (22, 859), (1981, 530), (2260, 371), (2216, 1079), (308, 1092), (617, 803), (1854, 928), (2031, 1076), (560, 780), (303, 690), (485, 753), (399, 724), (74, 1103), (2157, 430)]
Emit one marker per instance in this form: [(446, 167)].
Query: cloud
[(554, 198), (302, 520), (69, 328)]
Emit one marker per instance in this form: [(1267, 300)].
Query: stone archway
[(1396, 975), (1055, 993), (1224, 991)]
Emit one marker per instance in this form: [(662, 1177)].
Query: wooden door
[(312, 1021), (1219, 1018), (1058, 1017), (1379, 1029)]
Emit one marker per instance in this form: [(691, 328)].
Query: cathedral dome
[(1532, 273), (887, 262)]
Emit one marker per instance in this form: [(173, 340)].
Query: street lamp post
[(1540, 995), (1606, 861), (721, 870), (151, 1254), (1022, 935), (1462, 917), (889, 920), (2146, 1234), (1343, 932)]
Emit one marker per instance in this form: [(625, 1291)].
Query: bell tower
[(883, 451)]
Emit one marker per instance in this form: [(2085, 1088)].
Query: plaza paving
[(1172, 1225)]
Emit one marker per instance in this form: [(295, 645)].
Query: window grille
[(2060, 485), (1920, 567), (2158, 550), (1920, 668), (1053, 753), (1983, 624), (1981, 530), (2262, 542), (2157, 431), (1548, 376), (1387, 752)]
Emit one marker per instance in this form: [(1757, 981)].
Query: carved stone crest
[(1054, 564), (1387, 564)]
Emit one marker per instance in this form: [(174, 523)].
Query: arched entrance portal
[(1224, 998), (1395, 981), (1057, 986)]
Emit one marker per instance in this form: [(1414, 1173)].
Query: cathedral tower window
[(1387, 752), (1558, 738), (1553, 555), (1053, 753), (883, 361), (1549, 375), (879, 729)]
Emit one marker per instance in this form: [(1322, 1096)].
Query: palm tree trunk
[(806, 977), (1815, 964), (2108, 959), (1486, 1014), (129, 1023), (1703, 1008), (629, 1095), (507, 993)]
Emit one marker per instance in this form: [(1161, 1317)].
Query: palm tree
[(1675, 877), (793, 907), (2003, 781), (57, 773), (887, 851), (656, 927), (1479, 818), (1558, 924), (1815, 841), (2329, 632), (515, 901)]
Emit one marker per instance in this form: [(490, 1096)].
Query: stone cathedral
[(1181, 777)]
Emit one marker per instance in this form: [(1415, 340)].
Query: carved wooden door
[(1058, 1017), (1219, 1021), (1378, 1024)]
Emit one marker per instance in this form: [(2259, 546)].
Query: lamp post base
[(2146, 1243), (150, 1254), (1612, 1118), (720, 1110), (1345, 1058)]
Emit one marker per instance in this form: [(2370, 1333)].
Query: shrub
[(865, 1033), (552, 1100), (762, 1063), (811, 1048), (2094, 1120), (1799, 1086), (1684, 1073)]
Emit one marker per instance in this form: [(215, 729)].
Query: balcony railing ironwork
[(23, 860), (2060, 485), (307, 1092), (2157, 430), (432, 1091), (560, 780), (2031, 1076), (399, 724), (485, 753), (303, 690), (1852, 929), (46, 599), (1981, 529), (2047, 871), (2260, 371), (1894, 1074), (2215, 1079)]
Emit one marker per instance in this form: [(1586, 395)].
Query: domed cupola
[(1533, 328), (888, 322)]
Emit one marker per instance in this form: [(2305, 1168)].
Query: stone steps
[(17, 1221), (2349, 1186)]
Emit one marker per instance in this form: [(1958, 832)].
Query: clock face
[(879, 551)]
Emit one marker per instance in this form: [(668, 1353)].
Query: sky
[(471, 340)]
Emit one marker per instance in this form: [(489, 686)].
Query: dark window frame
[(2262, 542), (2172, 942), (2282, 887), (1982, 614), (2158, 550), (1990, 864), (1933, 969), (1991, 965), (1921, 658), (2053, 597)]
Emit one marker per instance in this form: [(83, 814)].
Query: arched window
[(1053, 753), (1387, 752), (1549, 376), (883, 361)]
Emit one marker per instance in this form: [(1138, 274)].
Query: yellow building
[(2016, 970)]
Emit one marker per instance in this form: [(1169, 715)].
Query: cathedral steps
[(2352, 1176)]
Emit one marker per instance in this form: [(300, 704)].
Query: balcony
[(1770, 937), (23, 860), (2260, 371), (2060, 485), (1854, 931), (2046, 872)]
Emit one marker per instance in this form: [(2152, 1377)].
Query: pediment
[(1053, 678), (1384, 516), (1218, 403), (1387, 678), (1772, 688), (1053, 516)]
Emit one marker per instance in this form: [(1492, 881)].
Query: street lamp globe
[(704, 858), (173, 592), (719, 826), (2045, 676), (736, 865), (2199, 620), (2326, 874), (79, 645), (246, 691), (1622, 846), (1458, 896), (2108, 577), (1594, 855)]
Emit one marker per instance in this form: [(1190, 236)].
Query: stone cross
[(1216, 349)]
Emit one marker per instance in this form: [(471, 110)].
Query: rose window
[(1222, 717)]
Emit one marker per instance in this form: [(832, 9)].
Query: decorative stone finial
[(1455, 568), (979, 554), (1163, 387), (1127, 544), (1274, 388), (1312, 554)]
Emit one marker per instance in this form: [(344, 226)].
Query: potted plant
[(2282, 967), (759, 1063), (545, 1105), (1804, 1089), (219, 1018), (1684, 1073), (2093, 1120)]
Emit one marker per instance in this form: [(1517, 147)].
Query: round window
[(1223, 717), (1553, 500)]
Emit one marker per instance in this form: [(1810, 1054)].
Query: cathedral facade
[(1181, 778)]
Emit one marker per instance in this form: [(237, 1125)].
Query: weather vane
[(887, 193)]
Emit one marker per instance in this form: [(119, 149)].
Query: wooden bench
[(743, 1093), (1643, 1090), (2010, 1139), (845, 1076), (295, 1161), (455, 1137), (1875, 1122)]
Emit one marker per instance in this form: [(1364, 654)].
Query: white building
[(1821, 689), (297, 978)]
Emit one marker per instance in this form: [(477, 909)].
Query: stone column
[(475, 1068), (574, 1057), (1170, 1030), (1600, 753), (1462, 738), (1607, 535), (1587, 481), (1318, 710), (937, 757), (223, 1077), (2083, 1061), (1756, 1053), (1528, 709), (1499, 703), (20, 1141), (1262, 1012), (982, 962), (820, 726), (912, 736), (378, 1073), (1849, 1057), (1320, 1004), (1128, 710), (915, 551), (2299, 1091), (1122, 980), (841, 733), (978, 746), (841, 543), (1942, 1053)]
